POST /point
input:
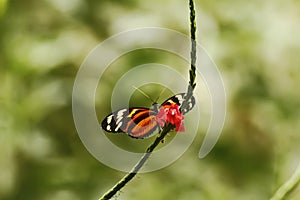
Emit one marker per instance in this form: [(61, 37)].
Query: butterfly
[(139, 122)]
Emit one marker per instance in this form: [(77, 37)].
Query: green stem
[(193, 54), (288, 186), (118, 186), (193, 45)]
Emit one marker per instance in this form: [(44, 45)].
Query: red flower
[(171, 115)]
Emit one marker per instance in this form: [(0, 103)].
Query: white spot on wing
[(180, 98), (119, 119), (119, 125), (108, 128), (121, 113), (109, 119)]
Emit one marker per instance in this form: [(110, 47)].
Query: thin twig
[(288, 186), (193, 44), (192, 71), (138, 166)]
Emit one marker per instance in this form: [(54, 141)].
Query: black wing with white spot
[(178, 99), (116, 121), (136, 122)]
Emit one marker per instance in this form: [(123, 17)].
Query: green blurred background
[(255, 44)]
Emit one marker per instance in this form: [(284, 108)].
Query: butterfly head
[(155, 107)]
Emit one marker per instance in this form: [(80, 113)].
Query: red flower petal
[(171, 115)]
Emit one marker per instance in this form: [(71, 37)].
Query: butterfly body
[(139, 122)]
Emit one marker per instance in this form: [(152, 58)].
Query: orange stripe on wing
[(136, 118), (144, 128)]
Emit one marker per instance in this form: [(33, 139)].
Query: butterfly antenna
[(143, 93), (162, 91)]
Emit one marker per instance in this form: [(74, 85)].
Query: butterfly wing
[(136, 122), (178, 99)]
